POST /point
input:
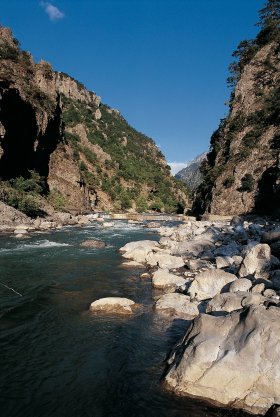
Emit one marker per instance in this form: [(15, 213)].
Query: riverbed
[(59, 360)]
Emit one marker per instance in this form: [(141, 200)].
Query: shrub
[(33, 184), (247, 183), (8, 51), (57, 200), (90, 155), (228, 182), (141, 205)]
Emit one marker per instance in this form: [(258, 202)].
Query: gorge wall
[(85, 153), (242, 171)]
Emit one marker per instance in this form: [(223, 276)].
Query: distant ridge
[(191, 174)]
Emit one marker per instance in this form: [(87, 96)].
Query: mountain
[(61, 147), (242, 171), (191, 174)]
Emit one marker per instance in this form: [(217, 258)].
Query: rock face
[(241, 174), (51, 124), (231, 361), (191, 175)]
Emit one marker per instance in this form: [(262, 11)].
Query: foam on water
[(41, 244)]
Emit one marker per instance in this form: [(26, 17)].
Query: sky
[(161, 63)]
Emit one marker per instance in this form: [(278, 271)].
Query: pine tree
[(270, 15)]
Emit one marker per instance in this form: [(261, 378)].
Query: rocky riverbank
[(224, 277)]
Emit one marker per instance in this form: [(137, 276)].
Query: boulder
[(132, 264), (164, 280), (115, 305), (145, 275), (236, 221), (92, 243), (229, 301), (177, 306), (223, 261), (231, 249), (232, 361), (146, 244), (108, 224), (164, 260), (226, 302), (271, 237), (241, 284), (19, 231), (209, 283), (153, 225), (257, 260), (196, 264), (192, 248), (258, 288)]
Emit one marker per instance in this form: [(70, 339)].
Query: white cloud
[(52, 11), (177, 166)]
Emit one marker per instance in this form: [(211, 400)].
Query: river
[(57, 359)]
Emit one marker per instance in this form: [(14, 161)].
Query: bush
[(8, 51), (247, 183), (228, 182), (57, 200), (90, 155), (33, 184), (141, 205)]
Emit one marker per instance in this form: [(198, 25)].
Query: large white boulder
[(177, 306), (231, 301), (232, 361), (256, 261), (163, 279), (164, 260), (241, 284), (209, 283), (146, 244), (116, 305)]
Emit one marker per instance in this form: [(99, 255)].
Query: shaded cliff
[(191, 175), (76, 152), (242, 171)]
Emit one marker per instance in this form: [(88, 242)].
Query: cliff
[(242, 171), (61, 147), (191, 175)]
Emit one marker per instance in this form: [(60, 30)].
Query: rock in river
[(231, 361), (115, 305), (163, 279), (177, 306), (92, 243)]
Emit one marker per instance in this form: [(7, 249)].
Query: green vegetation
[(23, 193), (247, 183), (8, 51), (57, 200), (136, 162)]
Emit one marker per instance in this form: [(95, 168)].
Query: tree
[(270, 15)]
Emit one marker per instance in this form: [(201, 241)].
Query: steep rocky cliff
[(242, 171), (191, 175), (58, 139)]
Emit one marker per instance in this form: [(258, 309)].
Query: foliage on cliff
[(85, 153), (242, 172)]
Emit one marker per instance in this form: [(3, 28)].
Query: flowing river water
[(57, 359)]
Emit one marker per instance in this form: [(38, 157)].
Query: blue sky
[(162, 63)]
